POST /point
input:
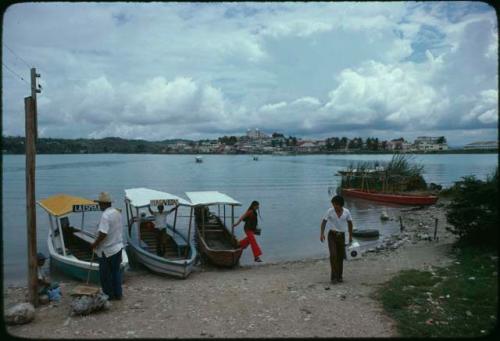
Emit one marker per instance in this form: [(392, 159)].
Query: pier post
[(30, 125)]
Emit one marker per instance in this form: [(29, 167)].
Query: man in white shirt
[(160, 216), (339, 222), (108, 247)]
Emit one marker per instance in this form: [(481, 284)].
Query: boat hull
[(177, 268), (227, 258), (391, 198), (78, 269)]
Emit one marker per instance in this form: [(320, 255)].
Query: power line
[(15, 54), (8, 68)]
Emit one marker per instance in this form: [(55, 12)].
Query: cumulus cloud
[(177, 70)]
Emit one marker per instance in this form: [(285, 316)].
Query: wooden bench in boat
[(84, 237), (149, 242)]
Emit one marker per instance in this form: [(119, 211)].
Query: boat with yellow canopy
[(69, 245)]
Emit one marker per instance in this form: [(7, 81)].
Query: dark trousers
[(110, 275), (336, 245)]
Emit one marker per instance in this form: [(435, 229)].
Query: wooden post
[(189, 232), (232, 219), (203, 220), (30, 125), (175, 217), (34, 91), (435, 228), (401, 224)]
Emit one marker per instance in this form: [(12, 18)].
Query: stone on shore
[(21, 313)]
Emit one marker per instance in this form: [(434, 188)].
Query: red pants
[(250, 239)]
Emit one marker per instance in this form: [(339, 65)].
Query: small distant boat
[(199, 159), (179, 253), (69, 245), (256, 158), (402, 199), (367, 233), (213, 238)]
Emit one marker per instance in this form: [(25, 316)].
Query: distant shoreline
[(459, 151)]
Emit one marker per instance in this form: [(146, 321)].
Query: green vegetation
[(398, 175), (473, 211), (456, 301), (461, 299), (15, 145)]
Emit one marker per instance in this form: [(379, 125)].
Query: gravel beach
[(291, 299)]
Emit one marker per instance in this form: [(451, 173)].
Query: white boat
[(179, 254), (199, 159), (69, 246)]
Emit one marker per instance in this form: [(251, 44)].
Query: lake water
[(292, 191)]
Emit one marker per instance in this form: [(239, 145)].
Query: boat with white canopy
[(170, 251), (213, 238), (68, 245)]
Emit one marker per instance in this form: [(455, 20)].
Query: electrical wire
[(15, 73), (15, 54)]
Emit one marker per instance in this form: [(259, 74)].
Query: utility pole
[(34, 91), (30, 145)]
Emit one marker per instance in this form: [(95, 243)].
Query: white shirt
[(111, 225), (160, 219), (335, 222)]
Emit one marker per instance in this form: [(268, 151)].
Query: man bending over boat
[(339, 222), (108, 248)]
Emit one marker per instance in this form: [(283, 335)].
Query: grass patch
[(455, 301)]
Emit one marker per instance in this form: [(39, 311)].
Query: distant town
[(253, 142)]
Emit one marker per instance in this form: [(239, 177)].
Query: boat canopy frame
[(141, 197), (60, 206), (204, 199)]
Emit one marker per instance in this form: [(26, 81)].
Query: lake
[(292, 191)]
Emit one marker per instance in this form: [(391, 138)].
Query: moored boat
[(69, 246), (168, 252), (402, 199), (214, 240), (365, 233)]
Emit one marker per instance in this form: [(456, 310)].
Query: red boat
[(402, 199)]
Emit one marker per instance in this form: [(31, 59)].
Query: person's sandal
[(257, 259)]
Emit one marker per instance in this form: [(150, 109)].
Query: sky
[(313, 70)]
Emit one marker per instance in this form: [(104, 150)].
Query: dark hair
[(255, 202), (338, 200)]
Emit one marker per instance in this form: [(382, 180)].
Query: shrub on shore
[(473, 210), (400, 174)]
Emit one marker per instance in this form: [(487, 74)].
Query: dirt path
[(293, 299)]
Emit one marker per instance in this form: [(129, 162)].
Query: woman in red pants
[(251, 221)]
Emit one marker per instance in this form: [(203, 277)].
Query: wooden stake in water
[(435, 228), (401, 223)]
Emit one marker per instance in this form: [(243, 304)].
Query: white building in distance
[(256, 134), (430, 143)]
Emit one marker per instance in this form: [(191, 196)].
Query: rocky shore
[(291, 299)]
